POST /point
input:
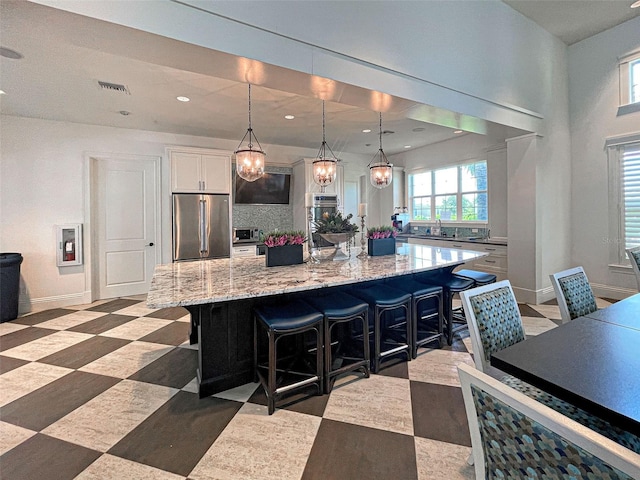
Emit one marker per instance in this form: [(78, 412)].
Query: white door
[(127, 225)]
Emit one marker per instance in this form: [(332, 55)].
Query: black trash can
[(9, 285)]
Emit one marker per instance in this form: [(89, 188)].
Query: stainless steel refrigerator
[(200, 226)]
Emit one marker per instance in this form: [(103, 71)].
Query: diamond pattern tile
[(109, 390)]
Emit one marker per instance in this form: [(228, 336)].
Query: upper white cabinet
[(200, 172)]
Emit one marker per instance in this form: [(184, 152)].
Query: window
[(629, 67), (455, 193), (624, 167)]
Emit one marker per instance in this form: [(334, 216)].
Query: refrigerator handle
[(204, 240)]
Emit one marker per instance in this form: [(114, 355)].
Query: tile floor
[(108, 391)]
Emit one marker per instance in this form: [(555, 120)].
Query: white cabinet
[(200, 172), (495, 262)]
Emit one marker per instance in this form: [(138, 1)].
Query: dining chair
[(574, 294), (514, 436), (495, 323), (634, 258)]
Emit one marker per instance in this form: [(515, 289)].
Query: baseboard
[(608, 291), (44, 303), (533, 297)]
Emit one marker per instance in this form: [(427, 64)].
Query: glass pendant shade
[(380, 174), (250, 164), (250, 161), (380, 170), (325, 167)]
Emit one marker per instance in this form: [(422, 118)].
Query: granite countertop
[(491, 241), (209, 281)]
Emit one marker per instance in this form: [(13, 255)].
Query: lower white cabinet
[(495, 262), (244, 251)]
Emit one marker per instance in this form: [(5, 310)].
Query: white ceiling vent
[(113, 87)]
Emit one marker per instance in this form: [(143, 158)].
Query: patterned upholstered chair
[(574, 294), (514, 436), (495, 323), (634, 258)]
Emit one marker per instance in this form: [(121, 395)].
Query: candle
[(308, 199), (362, 210)]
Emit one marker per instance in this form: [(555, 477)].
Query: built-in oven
[(322, 203), (246, 235)]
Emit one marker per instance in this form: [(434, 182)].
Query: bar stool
[(426, 305), (292, 318), (480, 278), (340, 308), (451, 284), (383, 301)]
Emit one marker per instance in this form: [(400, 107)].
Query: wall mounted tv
[(270, 189)]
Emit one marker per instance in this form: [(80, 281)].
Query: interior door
[(127, 225)]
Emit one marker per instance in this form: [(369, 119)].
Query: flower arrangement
[(384, 231), (334, 223), (280, 239)]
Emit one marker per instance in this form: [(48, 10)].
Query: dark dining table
[(592, 362)]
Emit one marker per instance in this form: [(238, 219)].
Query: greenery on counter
[(335, 223), (279, 239), (383, 231)]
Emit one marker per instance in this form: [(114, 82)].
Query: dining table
[(592, 362)]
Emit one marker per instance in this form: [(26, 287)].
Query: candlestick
[(363, 252), (362, 210)]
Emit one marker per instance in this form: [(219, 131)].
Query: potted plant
[(335, 229), (381, 240), (283, 248)]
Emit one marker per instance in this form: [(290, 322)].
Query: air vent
[(113, 87)]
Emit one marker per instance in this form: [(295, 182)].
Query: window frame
[(433, 196), (615, 157), (625, 69)]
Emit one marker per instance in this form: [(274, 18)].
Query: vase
[(284, 255), (337, 239), (381, 246)]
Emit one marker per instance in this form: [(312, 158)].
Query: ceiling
[(575, 20), (66, 55)]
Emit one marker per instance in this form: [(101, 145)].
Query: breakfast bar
[(220, 294)]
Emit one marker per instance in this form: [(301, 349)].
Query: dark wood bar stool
[(341, 308), (280, 320), (451, 285), (426, 311), (480, 278), (391, 337)]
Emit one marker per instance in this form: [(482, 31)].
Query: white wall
[(42, 184), (594, 99)]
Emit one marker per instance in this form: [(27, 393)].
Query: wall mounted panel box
[(69, 244)]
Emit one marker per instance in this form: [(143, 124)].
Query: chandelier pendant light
[(380, 170), (250, 161), (324, 166)]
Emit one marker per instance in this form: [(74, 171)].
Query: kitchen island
[(220, 294)]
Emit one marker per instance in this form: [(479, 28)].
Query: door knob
[(151, 244)]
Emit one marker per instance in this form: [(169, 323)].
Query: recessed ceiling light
[(407, 146), (183, 99), (289, 117), (418, 129), (2, 92), (124, 113), (635, 4), (457, 131), (366, 130)]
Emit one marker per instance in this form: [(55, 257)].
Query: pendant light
[(249, 161), (380, 170), (324, 167)]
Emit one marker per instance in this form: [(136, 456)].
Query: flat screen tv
[(270, 189)]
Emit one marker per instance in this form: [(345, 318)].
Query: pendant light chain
[(250, 129), (380, 131)]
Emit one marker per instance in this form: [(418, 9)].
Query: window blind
[(631, 194)]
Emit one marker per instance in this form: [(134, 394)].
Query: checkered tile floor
[(107, 390)]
